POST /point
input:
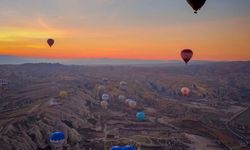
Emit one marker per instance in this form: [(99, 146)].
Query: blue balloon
[(57, 136), (140, 116), (128, 147), (115, 148)]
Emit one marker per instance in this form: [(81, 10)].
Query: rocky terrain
[(217, 107)]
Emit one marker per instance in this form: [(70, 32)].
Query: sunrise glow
[(125, 29)]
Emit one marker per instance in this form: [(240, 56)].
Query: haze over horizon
[(117, 29)]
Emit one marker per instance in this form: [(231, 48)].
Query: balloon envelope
[(57, 139), (105, 97), (128, 147), (63, 94), (127, 101), (185, 91), (116, 148), (196, 4), (140, 116), (132, 104), (121, 97), (123, 85), (186, 55), (101, 88), (50, 42), (104, 104)]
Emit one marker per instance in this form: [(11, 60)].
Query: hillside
[(31, 107)]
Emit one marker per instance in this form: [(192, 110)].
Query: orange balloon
[(104, 104)]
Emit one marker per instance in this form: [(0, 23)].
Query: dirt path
[(232, 131)]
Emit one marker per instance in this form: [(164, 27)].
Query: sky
[(125, 29)]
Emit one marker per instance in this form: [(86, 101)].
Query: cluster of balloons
[(131, 103), (140, 116), (104, 102), (186, 55), (57, 139)]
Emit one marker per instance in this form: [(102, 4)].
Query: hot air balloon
[(104, 104), (63, 94), (132, 104), (128, 147), (140, 116), (127, 101), (101, 88), (50, 42), (116, 148), (185, 91), (121, 97), (186, 55), (105, 97), (196, 4), (57, 140), (123, 85)]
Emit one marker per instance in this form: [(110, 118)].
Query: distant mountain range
[(7, 59)]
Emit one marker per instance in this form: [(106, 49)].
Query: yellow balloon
[(63, 94)]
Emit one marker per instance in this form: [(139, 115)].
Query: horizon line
[(107, 58)]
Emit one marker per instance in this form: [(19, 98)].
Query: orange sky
[(211, 39)]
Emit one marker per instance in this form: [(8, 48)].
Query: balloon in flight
[(128, 147), (105, 97), (57, 139), (127, 101), (123, 85), (50, 42), (186, 55), (140, 116), (132, 104), (196, 4), (101, 88), (63, 94), (121, 97), (185, 91), (104, 104)]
